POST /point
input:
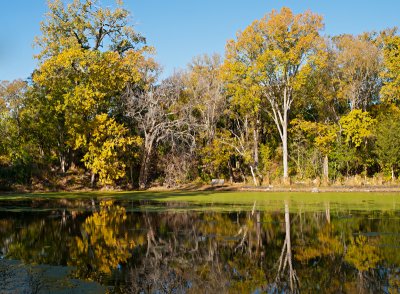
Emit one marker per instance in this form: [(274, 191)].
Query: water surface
[(184, 247)]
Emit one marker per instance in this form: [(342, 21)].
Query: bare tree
[(162, 115), (205, 88), (358, 64)]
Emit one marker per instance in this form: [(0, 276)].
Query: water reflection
[(207, 252)]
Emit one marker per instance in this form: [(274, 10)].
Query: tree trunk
[(259, 241), (285, 260), (254, 176), (255, 148), (393, 173), (131, 173), (230, 171), (63, 163), (285, 152), (326, 170), (144, 168), (92, 178)]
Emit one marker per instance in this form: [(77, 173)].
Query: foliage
[(83, 24), (269, 62), (322, 135), (391, 74), (103, 243), (216, 155), (361, 254), (388, 138), (109, 142), (357, 126), (282, 93), (358, 64)]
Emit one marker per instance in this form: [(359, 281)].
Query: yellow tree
[(103, 244), (357, 127), (110, 140), (80, 84), (89, 55), (391, 74), (270, 60)]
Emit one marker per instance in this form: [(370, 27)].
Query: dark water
[(132, 249)]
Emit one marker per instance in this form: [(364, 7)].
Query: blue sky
[(182, 29)]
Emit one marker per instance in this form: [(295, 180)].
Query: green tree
[(79, 84), (21, 144), (323, 137), (85, 24), (388, 139)]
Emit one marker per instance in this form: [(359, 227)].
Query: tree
[(357, 128), (89, 56), (270, 61), (79, 84), (388, 139), (21, 134), (323, 137), (391, 74), (358, 64), (84, 24), (204, 86), (162, 115), (12, 102), (109, 142)]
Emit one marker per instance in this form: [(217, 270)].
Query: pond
[(268, 243)]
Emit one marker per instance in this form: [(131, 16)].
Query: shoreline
[(222, 188)]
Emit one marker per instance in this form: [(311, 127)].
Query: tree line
[(285, 103)]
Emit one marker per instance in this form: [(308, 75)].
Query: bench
[(217, 182)]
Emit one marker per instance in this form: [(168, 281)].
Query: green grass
[(204, 200)]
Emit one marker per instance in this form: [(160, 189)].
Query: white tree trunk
[(254, 176), (326, 169), (285, 154), (393, 178)]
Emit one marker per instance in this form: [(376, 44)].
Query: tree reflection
[(211, 252), (364, 257), (103, 244), (285, 259)]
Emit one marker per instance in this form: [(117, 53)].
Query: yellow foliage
[(108, 143), (391, 76), (322, 134), (357, 126), (103, 244), (326, 246), (361, 254)]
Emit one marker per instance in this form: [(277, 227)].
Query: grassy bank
[(304, 201)]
